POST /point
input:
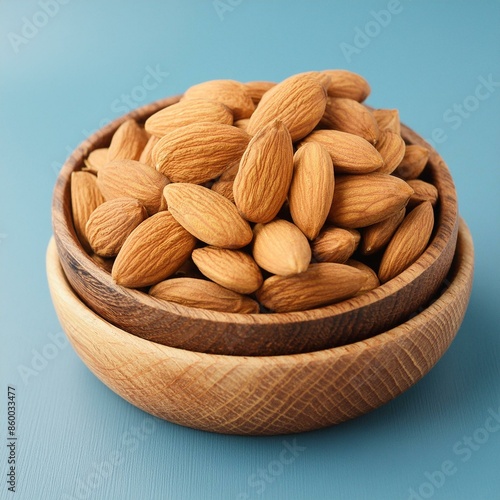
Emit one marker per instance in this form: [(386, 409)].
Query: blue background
[(68, 76)]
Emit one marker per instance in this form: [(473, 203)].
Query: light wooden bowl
[(254, 335), (265, 395)]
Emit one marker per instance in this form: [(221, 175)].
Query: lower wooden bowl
[(267, 394)]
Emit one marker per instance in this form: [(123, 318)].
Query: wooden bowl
[(265, 395), (254, 335)]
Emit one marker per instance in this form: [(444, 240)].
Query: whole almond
[(335, 244), (146, 155), (376, 236), (127, 142), (233, 94), (391, 147), (154, 250), (408, 243), (96, 159), (281, 248), (311, 191), (413, 162), (225, 188), (132, 179), (110, 224), (203, 294), (423, 191), (231, 269), (185, 113), (207, 215), (388, 119), (199, 152), (265, 172), (348, 115), (85, 198), (257, 89), (320, 285), (344, 83), (363, 200), (350, 153), (281, 102), (372, 280)]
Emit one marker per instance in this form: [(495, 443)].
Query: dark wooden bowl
[(263, 334)]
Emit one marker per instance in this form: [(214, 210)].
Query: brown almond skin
[(281, 102), (96, 159), (281, 248), (413, 163), (154, 250), (348, 115), (391, 147), (363, 200), (185, 113), (111, 223), (146, 157), (265, 173), (225, 188), (322, 284), (372, 280), (350, 153), (423, 191), (408, 243), (335, 244), (344, 83), (233, 94), (388, 119), (376, 236), (132, 179), (199, 152), (207, 215), (127, 142), (258, 88), (311, 191), (203, 294), (232, 269), (85, 198)]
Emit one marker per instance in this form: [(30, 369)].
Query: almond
[(207, 215), (257, 89), (311, 191), (199, 152), (281, 248), (230, 173), (350, 153), (413, 162), (391, 147), (127, 142), (146, 156), (96, 159), (320, 285), (132, 179), (110, 224), (203, 294), (85, 198), (233, 94), (154, 250), (335, 244), (423, 191), (372, 280), (363, 200), (348, 115), (299, 102), (265, 172), (388, 119), (242, 124), (344, 83), (225, 188), (105, 263), (408, 243), (376, 236), (231, 269), (185, 113)]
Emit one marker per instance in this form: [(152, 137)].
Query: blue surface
[(63, 79)]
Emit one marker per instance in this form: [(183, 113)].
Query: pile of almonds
[(255, 197)]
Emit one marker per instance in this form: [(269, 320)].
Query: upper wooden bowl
[(254, 335), (265, 395)]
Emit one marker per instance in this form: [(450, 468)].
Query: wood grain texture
[(264, 334), (265, 395)]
